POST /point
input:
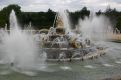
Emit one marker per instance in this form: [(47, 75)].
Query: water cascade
[(18, 48), (64, 16), (95, 27)]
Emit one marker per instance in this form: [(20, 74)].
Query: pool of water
[(96, 69)]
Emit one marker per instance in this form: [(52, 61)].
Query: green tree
[(5, 12)]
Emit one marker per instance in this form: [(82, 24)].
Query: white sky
[(72, 5)]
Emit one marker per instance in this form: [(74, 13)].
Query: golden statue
[(59, 25), (59, 22)]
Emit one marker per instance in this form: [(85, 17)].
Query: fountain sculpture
[(62, 43)]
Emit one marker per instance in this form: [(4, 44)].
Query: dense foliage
[(45, 19)]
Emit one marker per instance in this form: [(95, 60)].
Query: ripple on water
[(22, 71), (118, 62), (29, 73), (5, 72), (107, 65), (89, 66), (65, 67)]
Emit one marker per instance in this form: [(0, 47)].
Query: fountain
[(19, 49), (95, 27), (62, 43), (26, 52)]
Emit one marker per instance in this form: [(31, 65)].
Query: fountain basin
[(53, 53), (71, 54)]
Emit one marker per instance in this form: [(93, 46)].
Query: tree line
[(42, 20)]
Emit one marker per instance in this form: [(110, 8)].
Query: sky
[(56, 5)]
